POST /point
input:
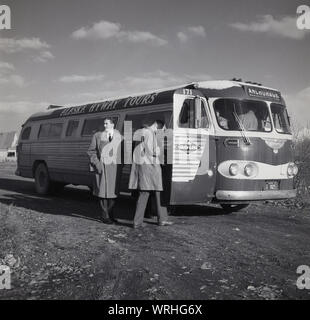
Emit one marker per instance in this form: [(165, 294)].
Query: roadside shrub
[(302, 159), (301, 149)]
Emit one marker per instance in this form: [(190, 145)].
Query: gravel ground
[(57, 249)]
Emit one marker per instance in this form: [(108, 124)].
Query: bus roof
[(211, 88)]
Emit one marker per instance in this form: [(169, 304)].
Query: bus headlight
[(249, 170), (292, 170), (233, 169)]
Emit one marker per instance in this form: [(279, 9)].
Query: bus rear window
[(26, 133), (91, 126), (50, 130)]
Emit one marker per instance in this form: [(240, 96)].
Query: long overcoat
[(104, 158), (146, 173)]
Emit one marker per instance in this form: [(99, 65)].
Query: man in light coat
[(146, 175), (104, 155)]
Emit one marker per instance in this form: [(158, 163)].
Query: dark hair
[(160, 123), (149, 121), (110, 119)]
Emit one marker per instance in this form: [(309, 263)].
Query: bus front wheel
[(42, 179), (228, 208)]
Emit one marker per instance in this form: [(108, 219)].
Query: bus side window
[(55, 130), (91, 126), (187, 114), (190, 113), (26, 133), (44, 130), (50, 130), (138, 121), (72, 128)]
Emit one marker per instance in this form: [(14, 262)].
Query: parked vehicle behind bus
[(230, 143)]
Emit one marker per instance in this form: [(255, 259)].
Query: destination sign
[(263, 93)]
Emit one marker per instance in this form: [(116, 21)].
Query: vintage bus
[(231, 144)]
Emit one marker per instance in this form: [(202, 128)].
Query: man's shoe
[(106, 221), (114, 220), (138, 226), (165, 223)]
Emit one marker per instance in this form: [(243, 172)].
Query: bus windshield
[(280, 118), (242, 115)]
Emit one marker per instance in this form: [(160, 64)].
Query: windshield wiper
[(246, 139)]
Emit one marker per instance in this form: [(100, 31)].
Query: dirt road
[(62, 251)]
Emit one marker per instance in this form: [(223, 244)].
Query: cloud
[(182, 36), (160, 79), (44, 56), (6, 66), (99, 30), (131, 85), (20, 110), (12, 79), (15, 113), (7, 77), (198, 31), (142, 36), (190, 32), (10, 45), (103, 30), (81, 78), (284, 27)]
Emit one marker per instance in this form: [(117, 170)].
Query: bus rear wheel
[(228, 208), (42, 179)]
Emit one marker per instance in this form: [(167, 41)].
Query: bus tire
[(42, 179), (229, 208)]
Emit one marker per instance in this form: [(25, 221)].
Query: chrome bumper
[(255, 195)]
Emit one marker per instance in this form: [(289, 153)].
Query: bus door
[(193, 152)]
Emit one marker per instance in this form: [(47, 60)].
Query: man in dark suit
[(104, 153)]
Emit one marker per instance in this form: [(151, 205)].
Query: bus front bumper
[(230, 195)]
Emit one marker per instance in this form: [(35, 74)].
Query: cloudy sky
[(76, 51)]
